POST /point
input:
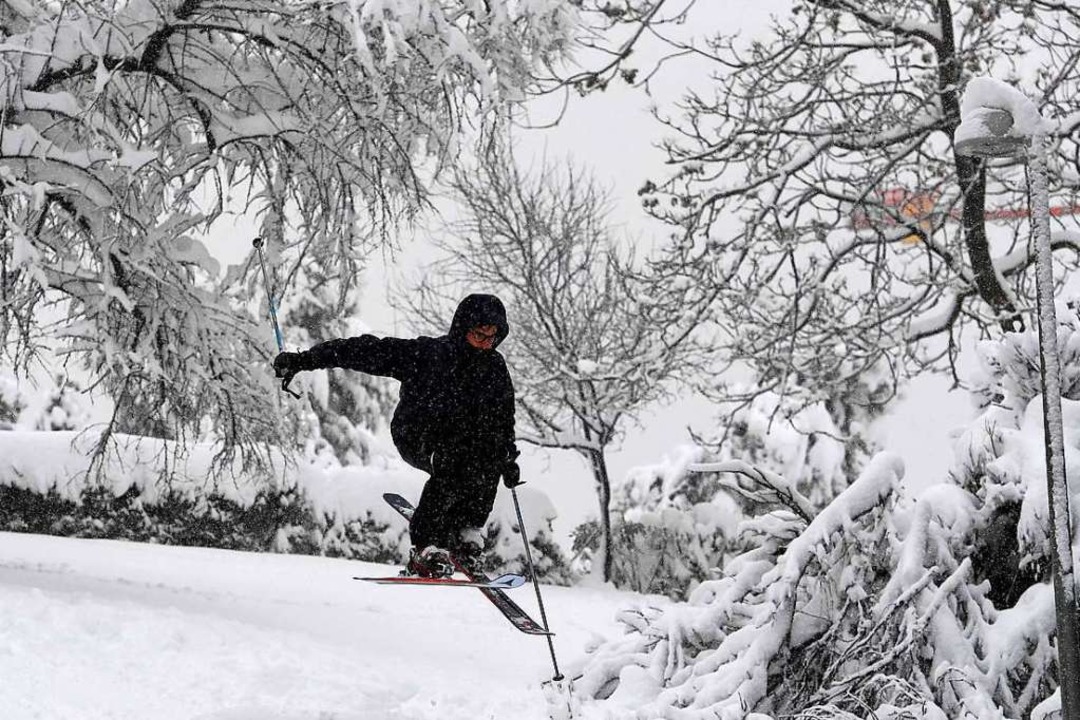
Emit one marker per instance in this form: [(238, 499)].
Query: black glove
[(511, 474), (287, 364)]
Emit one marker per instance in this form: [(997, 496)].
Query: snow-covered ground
[(96, 629)]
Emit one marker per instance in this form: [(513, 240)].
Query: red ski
[(508, 581), (510, 609)]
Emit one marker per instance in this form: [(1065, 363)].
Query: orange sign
[(915, 206), (919, 207)]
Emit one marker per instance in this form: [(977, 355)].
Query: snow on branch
[(128, 128), (950, 305), (881, 606), (769, 174), (773, 484), (712, 658)]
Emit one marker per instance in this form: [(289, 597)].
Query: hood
[(479, 309)]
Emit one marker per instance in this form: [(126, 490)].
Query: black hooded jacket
[(453, 396)]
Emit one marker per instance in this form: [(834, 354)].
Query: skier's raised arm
[(389, 357)]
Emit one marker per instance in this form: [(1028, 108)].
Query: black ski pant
[(459, 495)]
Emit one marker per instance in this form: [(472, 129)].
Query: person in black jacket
[(454, 420)]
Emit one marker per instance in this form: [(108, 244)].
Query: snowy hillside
[(96, 629)]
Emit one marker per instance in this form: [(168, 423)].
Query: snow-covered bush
[(145, 491), (503, 546), (817, 442), (866, 609), (54, 404), (877, 605), (11, 405), (675, 521), (1000, 456), (663, 542), (65, 407)]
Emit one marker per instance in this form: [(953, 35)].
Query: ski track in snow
[(97, 629)]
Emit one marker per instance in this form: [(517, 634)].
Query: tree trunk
[(972, 179), (603, 492)]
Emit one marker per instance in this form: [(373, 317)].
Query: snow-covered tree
[(347, 408), (878, 605), (816, 185), (130, 126), (588, 348), (817, 446), (664, 540), (674, 522)]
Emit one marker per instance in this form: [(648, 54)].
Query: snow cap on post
[(996, 120)]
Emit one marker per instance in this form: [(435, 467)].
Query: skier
[(454, 421)]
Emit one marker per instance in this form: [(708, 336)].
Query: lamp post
[(999, 121)]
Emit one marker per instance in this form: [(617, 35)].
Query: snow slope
[(95, 629)]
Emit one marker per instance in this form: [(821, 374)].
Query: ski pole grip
[(285, 386)]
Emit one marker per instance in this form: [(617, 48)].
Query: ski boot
[(468, 550), (431, 562)]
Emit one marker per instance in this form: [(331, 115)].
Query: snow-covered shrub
[(675, 521), (310, 509), (736, 624), (877, 605), (10, 402), (503, 553), (57, 403), (65, 407), (173, 518), (818, 444), (1000, 456), (660, 554), (662, 541), (868, 608)]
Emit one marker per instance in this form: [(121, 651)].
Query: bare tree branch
[(591, 342)]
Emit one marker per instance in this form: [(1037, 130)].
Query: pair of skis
[(507, 581), (491, 588)]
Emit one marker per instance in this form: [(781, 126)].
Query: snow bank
[(347, 512), (107, 630), (41, 461)]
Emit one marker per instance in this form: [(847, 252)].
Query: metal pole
[(258, 243), (1054, 440), (536, 585)]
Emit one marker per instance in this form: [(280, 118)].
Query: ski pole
[(536, 585), (258, 243)]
